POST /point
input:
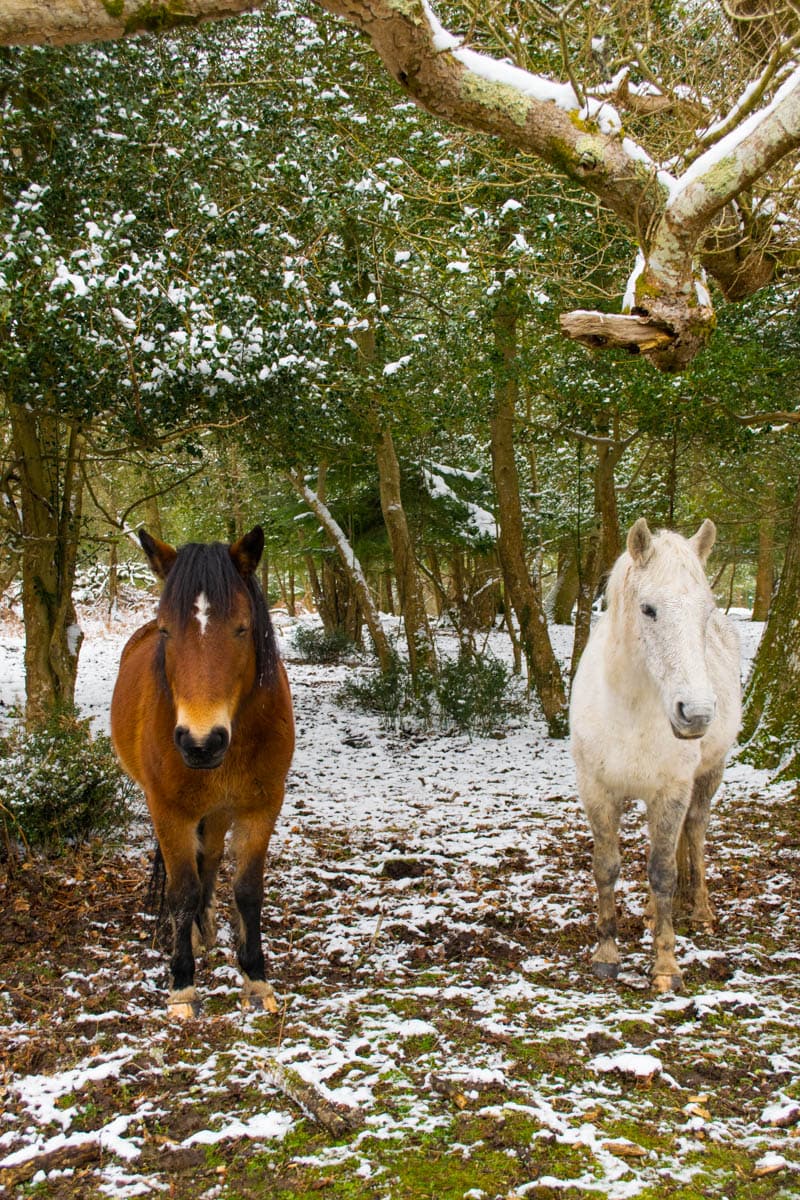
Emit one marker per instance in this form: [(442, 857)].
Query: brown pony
[(201, 718)]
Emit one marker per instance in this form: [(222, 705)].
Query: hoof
[(605, 970), (258, 996), (668, 983), (184, 1004)]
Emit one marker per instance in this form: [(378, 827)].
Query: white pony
[(655, 708)]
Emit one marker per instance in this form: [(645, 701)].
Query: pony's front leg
[(251, 834), (178, 842), (604, 811), (665, 817), (691, 896)]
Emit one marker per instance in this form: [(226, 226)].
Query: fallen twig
[(338, 1119)]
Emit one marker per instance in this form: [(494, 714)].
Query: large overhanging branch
[(672, 220), (61, 22), (672, 316)]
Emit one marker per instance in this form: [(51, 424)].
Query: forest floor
[(429, 921)]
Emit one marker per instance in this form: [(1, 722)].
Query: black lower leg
[(184, 901), (249, 893)]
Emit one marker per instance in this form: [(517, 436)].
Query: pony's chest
[(625, 740), (644, 759)]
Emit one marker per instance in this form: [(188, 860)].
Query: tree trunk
[(765, 570), (113, 579), (421, 652), (605, 502), (48, 459), (590, 574), (771, 726), (560, 600), (605, 544), (338, 540), (152, 510), (544, 674), (388, 592)]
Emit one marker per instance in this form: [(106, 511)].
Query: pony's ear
[(640, 542), (159, 554), (246, 553), (704, 539)]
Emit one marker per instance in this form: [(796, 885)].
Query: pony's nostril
[(217, 741), (697, 716), (180, 735)]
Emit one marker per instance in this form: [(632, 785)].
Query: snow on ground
[(429, 919)]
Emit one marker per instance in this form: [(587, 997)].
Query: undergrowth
[(317, 645), (59, 786), (467, 695)]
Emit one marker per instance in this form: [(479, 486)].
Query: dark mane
[(209, 568)]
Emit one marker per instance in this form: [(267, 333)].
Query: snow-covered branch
[(338, 539), (721, 174)]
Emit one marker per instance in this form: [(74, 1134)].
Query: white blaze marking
[(201, 611)]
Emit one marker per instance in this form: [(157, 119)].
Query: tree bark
[(771, 725), (421, 650), (48, 462), (338, 540), (560, 600), (590, 574), (765, 568), (544, 674), (61, 22)]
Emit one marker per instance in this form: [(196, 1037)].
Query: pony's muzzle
[(205, 753), (691, 719)]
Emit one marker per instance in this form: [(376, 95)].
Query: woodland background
[(244, 278)]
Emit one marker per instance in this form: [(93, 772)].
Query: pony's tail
[(157, 887)]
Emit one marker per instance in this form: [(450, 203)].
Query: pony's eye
[(162, 632), (242, 630), (648, 611)]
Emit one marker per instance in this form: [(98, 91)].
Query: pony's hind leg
[(212, 832), (691, 896), (604, 811), (251, 836), (665, 817)]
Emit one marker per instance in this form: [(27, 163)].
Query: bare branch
[(54, 23), (600, 331)]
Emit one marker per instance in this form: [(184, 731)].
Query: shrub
[(472, 695), (60, 786), (478, 695), (315, 645), (393, 695)]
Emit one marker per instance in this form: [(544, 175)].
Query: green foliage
[(317, 645), (478, 695), (393, 695), (474, 695), (60, 785)]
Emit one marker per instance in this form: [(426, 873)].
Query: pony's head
[(215, 638), (660, 590)]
